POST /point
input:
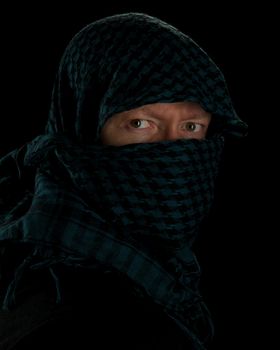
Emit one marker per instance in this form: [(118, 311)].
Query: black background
[(33, 40)]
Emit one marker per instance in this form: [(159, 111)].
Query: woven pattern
[(134, 209), (158, 190), (125, 61)]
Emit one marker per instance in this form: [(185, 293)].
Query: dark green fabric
[(125, 61), (132, 210)]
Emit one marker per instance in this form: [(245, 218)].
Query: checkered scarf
[(133, 209)]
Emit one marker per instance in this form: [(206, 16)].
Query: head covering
[(132, 60), (133, 209)]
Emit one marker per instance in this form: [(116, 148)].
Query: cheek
[(109, 138), (113, 136), (107, 134)]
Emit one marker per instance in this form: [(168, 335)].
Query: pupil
[(136, 123), (191, 126)]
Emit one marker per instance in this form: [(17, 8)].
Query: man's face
[(156, 122)]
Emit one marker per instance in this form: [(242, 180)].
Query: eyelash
[(186, 125), (137, 120)]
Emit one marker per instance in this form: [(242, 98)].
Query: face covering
[(133, 209), (159, 191)]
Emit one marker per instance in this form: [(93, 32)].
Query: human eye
[(139, 123), (192, 127)]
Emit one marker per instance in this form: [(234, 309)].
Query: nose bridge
[(171, 132)]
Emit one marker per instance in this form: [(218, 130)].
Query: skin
[(156, 122)]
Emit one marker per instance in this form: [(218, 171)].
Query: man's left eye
[(190, 126)]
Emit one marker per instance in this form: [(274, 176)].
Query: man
[(98, 216)]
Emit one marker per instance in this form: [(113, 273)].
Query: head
[(135, 81), (136, 69)]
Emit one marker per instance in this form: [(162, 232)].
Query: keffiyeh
[(133, 209)]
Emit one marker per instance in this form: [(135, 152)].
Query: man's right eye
[(139, 123)]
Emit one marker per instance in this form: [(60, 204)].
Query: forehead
[(182, 109), (176, 106)]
